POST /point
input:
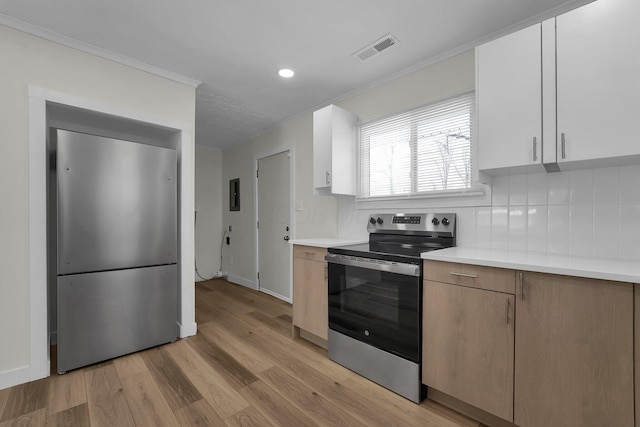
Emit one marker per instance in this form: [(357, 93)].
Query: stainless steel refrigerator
[(116, 247)]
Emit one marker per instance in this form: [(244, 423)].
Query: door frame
[(38, 100), (256, 235)]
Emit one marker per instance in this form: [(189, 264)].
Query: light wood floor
[(241, 369)]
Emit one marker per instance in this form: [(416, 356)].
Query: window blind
[(418, 152)]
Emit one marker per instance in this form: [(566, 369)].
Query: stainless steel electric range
[(375, 299)]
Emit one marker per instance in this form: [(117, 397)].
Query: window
[(420, 152)]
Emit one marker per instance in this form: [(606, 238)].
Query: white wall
[(589, 212), (432, 83), (208, 202), (317, 215), (29, 60)]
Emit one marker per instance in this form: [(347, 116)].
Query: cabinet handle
[(310, 253), (328, 177), (507, 311), (535, 149), (326, 273), (521, 287), (562, 144), (473, 276)]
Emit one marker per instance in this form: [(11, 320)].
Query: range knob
[(379, 221), (435, 221), (372, 220), (445, 221)]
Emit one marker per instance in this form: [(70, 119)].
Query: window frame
[(413, 120)]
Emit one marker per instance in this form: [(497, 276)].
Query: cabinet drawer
[(309, 252), (476, 276)]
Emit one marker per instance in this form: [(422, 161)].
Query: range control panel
[(441, 224), (409, 219)]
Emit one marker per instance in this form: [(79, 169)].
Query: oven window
[(376, 307)]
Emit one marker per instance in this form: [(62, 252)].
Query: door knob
[(286, 238)]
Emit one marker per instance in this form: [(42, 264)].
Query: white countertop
[(595, 268), (326, 242)]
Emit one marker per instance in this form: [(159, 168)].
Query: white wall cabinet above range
[(598, 81), (334, 151), (509, 93), (563, 92)]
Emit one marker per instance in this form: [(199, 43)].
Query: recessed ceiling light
[(286, 73)]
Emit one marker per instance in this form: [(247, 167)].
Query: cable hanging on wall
[(217, 274)]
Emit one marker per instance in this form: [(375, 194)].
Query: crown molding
[(52, 36)]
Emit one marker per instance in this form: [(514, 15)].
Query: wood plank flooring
[(241, 369)]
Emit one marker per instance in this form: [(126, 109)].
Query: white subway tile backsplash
[(581, 233), (518, 190), (558, 187), (558, 229), (483, 227), (500, 191), (465, 227), (629, 241), (581, 187), (537, 228), (629, 185), (518, 228), (500, 227), (537, 189), (592, 212), (606, 228), (605, 186)]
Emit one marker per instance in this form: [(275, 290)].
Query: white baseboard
[(187, 330), (38, 371), (23, 375), (244, 282), (276, 295)]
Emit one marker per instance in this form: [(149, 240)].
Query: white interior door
[(274, 253)]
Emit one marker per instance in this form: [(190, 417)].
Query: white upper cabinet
[(334, 150), (509, 94), (598, 81), (572, 83)]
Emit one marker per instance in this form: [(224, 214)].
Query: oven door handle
[(375, 264)]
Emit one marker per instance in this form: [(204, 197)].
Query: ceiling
[(235, 47)]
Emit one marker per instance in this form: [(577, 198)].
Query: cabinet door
[(310, 296), (636, 297), (467, 347), (322, 134), (509, 91), (574, 352), (598, 81), (334, 150)]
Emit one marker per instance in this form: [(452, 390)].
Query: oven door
[(377, 302)]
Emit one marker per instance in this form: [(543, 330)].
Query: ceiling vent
[(375, 48)]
